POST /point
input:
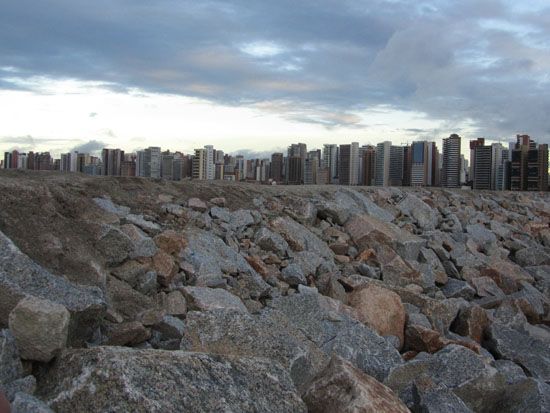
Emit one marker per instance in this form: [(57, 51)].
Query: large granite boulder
[(21, 277), (231, 332), (120, 379)]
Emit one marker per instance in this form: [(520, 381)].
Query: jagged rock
[(25, 403), (204, 299), (130, 272), (109, 206), (210, 258), (142, 245), (506, 275), (380, 309), (197, 205), (129, 333), (369, 206), (10, 364), (170, 328), (173, 303), (232, 332), (471, 322), (483, 237), (330, 326), (174, 209), (126, 301), (432, 398), (115, 245), (425, 216), (293, 275), (528, 257), (516, 345), (218, 201), (165, 267), (40, 328), (486, 287), (341, 387), (170, 241), (532, 302), (299, 238), (366, 231), (154, 380), (25, 385), (454, 366), (271, 241), (458, 289), (144, 224)]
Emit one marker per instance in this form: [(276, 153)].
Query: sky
[(254, 76)]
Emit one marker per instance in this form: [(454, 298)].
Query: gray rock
[(144, 224), (369, 206), (325, 322), (293, 275), (21, 277), (271, 241), (210, 258), (142, 244), (482, 236), (204, 299), (300, 238), (312, 263), (26, 385), (174, 209), (458, 289), (516, 345), (425, 216), (159, 381), (436, 399), (453, 367), (170, 328), (107, 205), (25, 403), (40, 328), (236, 220), (197, 205), (236, 333), (528, 257), (10, 364), (114, 245)]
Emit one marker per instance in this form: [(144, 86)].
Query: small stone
[(218, 201), (40, 328), (170, 242), (170, 328), (293, 275), (165, 266), (130, 333), (471, 322)]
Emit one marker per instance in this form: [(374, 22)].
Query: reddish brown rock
[(339, 248), (380, 309), (170, 241), (471, 322), (342, 259), (197, 204), (506, 275), (259, 266), (165, 267), (421, 339), (130, 333), (345, 389)]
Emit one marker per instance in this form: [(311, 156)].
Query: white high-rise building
[(210, 166), (383, 150)]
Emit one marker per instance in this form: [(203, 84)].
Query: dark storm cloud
[(484, 61)]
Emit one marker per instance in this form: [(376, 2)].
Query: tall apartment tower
[(112, 161), (210, 166), (330, 161), (450, 172), (311, 172), (396, 166), (198, 164), (367, 164), (348, 171), (296, 162), (483, 166), (277, 164), (473, 145), (383, 164), (529, 165)]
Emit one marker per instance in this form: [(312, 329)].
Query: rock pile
[(317, 299)]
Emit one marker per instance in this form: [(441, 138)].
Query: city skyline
[(251, 76)]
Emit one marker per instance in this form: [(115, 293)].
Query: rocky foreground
[(133, 295)]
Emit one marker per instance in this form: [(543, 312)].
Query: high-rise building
[(503, 172), (383, 164), (450, 172), (367, 165), (529, 165), (277, 164), (311, 172), (199, 171), (295, 174), (396, 166), (483, 167), (167, 166), (330, 161), (210, 166), (348, 164), (473, 144), (112, 161)]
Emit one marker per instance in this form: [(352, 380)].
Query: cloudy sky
[(259, 75)]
